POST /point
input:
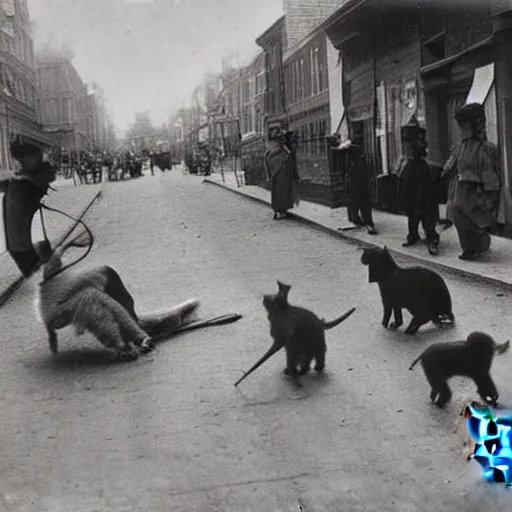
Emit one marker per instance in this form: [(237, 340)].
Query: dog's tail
[(417, 360), (337, 321)]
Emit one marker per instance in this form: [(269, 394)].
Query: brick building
[(17, 81), (253, 121), (273, 43), (307, 106), (62, 102)]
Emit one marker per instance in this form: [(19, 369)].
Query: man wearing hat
[(23, 194), (417, 187), (359, 207), (475, 186)]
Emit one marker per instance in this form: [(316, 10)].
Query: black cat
[(420, 290), (299, 331)]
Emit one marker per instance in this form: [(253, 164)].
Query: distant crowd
[(89, 166)]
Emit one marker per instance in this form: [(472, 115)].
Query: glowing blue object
[(493, 448)]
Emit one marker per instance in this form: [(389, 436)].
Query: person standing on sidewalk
[(359, 208), (23, 194), (281, 167), (417, 188), (476, 183)]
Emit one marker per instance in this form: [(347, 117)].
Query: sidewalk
[(494, 267), (74, 201)]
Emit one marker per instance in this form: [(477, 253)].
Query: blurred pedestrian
[(359, 208), (281, 167), (476, 182), (417, 187)]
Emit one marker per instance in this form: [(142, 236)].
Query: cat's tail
[(163, 325), (416, 361), (334, 323)]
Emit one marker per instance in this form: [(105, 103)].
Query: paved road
[(171, 433)]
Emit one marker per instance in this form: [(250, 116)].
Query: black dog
[(471, 358)]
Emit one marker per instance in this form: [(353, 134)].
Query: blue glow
[(493, 448)]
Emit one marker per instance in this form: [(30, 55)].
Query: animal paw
[(127, 354), (319, 369), (394, 326), (147, 345), (441, 402), (54, 344), (304, 370)]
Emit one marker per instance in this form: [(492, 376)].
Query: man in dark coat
[(23, 194), (417, 193), (360, 200)]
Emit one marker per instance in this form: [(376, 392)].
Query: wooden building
[(405, 57)]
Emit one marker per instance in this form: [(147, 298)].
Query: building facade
[(252, 142), (411, 58), (273, 44), (62, 104), (100, 125), (17, 81), (308, 113)]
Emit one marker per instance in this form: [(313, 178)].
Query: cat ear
[(283, 289)]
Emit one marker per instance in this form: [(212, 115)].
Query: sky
[(148, 55)]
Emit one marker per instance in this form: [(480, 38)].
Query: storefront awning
[(438, 66), (31, 136)]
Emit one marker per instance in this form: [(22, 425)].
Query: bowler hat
[(470, 112), (20, 148)]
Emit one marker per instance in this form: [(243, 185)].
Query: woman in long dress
[(281, 166), (475, 185)]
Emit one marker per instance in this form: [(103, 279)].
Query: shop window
[(313, 137), (322, 132)]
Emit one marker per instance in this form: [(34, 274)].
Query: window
[(301, 79), (322, 74), (7, 82), (322, 132), (313, 137), (314, 72), (53, 111), (67, 110)]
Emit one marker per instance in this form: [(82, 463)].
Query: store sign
[(409, 101), (482, 83)]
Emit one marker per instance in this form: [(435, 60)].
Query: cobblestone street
[(170, 432)]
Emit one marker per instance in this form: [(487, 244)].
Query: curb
[(341, 234), (6, 294)]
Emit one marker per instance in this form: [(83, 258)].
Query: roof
[(343, 11), (272, 31)]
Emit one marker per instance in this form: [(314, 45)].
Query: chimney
[(302, 16)]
